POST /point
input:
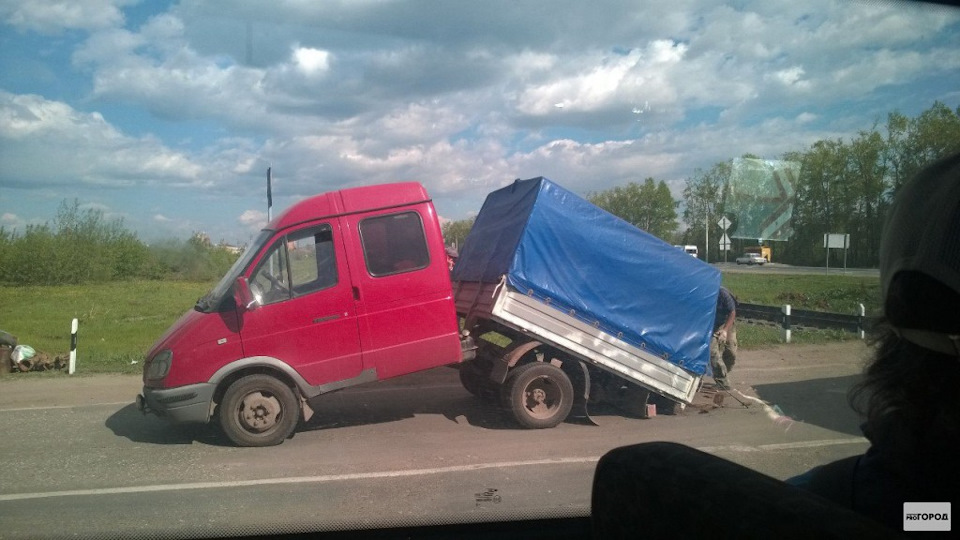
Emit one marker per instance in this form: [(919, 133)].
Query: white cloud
[(46, 141), (53, 16), (161, 218), (341, 94), (611, 80), (254, 218), (311, 61), (790, 77)]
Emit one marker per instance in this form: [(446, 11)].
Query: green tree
[(649, 206), (704, 196), (455, 232), (913, 142), (846, 187)]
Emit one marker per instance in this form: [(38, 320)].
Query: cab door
[(406, 313), (307, 315)]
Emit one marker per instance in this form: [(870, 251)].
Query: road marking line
[(783, 446), (54, 407), (397, 474), (296, 479), (856, 367)]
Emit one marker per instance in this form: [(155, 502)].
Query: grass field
[(833, 293), (119, 321)]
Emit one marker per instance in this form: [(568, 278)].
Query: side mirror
[(244, 296)]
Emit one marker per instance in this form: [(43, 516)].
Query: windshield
[(509, 236), (212, 300)]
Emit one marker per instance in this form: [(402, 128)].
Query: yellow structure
[(764, 251)]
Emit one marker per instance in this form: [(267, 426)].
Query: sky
[(166, 114)]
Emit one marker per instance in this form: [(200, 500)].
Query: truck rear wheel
[(258, 410), (539, 395)]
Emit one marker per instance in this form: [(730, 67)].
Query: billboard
[(761, 198)]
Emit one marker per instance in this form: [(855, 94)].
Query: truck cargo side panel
[(544, 322), (590, 343)]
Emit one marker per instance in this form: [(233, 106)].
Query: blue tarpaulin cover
[(554, 244)]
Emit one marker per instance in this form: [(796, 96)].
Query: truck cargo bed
[(564, 330)]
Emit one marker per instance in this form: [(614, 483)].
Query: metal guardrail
[(803, 318)]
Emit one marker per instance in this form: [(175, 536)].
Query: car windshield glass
[(217, 294), (484, 244)]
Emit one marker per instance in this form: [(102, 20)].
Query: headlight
[(159, 366)]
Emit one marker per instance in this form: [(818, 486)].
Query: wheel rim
[(541, 398), (259, 412)]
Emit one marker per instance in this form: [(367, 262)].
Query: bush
[(192, 260), (82, 246)]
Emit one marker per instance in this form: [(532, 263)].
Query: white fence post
[(73, 346), (860, 322), (786, 323)]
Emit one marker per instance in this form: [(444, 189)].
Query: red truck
[(352, 287)]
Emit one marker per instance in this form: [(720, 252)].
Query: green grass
[(119, 321), (833, 293), (759, 336)]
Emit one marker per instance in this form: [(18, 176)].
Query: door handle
[(356, 292), (327, 318)]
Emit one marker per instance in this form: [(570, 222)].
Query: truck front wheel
[(539, 395), (258, 410)]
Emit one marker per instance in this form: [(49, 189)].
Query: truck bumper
[(184, 404)]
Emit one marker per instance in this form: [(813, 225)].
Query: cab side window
[(297, 264), (394, 243), (271, 281), (313, 265)]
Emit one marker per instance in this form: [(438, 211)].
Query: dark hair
[(915, 384), (906, 383)]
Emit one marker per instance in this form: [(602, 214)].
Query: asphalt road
[(79, 460)]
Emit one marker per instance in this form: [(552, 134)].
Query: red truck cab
[(343, 288)]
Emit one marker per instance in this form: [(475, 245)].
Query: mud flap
[(633, 400), (581, 380)]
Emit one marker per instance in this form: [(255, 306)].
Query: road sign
[(724, 224), (725, 243)]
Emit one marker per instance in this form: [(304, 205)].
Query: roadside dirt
[(778, 365)]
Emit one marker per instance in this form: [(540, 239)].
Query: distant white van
[(692, 250)]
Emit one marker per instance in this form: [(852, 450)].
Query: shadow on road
[(374, 404), (130, 423), (455, 404), (821, 402)]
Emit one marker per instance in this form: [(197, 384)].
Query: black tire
[(539, 395), (258, 410)]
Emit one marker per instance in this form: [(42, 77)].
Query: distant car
[(751, 258)]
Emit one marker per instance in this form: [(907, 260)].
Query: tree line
[(842, 187), (83, 246)]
